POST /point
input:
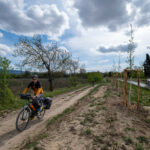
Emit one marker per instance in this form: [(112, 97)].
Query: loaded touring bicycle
[(28, 111)]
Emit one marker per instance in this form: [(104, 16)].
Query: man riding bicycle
[(35, 85)]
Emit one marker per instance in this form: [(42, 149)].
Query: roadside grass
[(18, 103), (63, 90), (144, 94)]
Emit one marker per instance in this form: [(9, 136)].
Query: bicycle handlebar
[(25, 96)]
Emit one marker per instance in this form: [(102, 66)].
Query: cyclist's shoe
[(32, 117)]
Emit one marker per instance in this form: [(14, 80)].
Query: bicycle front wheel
[(22, 119), (41, 114)]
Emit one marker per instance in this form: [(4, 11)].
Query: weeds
[(129, 129), (31, 144), (128, 140), (139, 147), (110, 120), (97, 140), (87, 132), (148, 121), (142, 139), (105, 147)]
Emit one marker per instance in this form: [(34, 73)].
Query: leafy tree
[(35, 54), (147, 66), (5, 93), (95, 77)]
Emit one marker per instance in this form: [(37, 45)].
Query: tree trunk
[(50, 81)]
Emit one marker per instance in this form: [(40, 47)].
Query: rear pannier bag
[(47, 102)]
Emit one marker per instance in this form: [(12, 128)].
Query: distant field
[(18, 85)]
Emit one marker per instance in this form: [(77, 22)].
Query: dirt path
[(99, 122), (10, 138)]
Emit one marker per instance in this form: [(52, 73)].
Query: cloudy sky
[(95, 31)]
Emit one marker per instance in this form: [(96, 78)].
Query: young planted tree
[(119, 68), (130, 57), (35, 54)]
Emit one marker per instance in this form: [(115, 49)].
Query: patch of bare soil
[(10, 138), (98, 122)]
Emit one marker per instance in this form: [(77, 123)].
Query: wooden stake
[(138, 89), (125, 88)]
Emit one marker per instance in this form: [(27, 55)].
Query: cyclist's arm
[(39, 91), (26, 89)]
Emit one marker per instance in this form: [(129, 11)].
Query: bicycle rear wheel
[(22, 119)]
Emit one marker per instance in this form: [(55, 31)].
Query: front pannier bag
[(47, 102)]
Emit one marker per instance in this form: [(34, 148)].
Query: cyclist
[(35, 85)]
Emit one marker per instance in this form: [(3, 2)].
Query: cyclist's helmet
[(35, 77)]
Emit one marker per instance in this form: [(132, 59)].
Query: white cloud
[(4, 49), (103, 61), (36, 19)]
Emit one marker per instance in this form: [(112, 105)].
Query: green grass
[(16, 104), (144, 95), (63, 90)]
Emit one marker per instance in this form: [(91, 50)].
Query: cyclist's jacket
[(36, 87)]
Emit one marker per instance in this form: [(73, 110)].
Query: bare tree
[(73, 66), (82, 69), (35, 54)]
